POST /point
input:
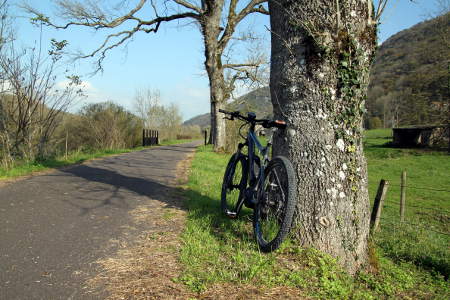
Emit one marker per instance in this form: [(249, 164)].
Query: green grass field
[(424, 237), (413, 260)]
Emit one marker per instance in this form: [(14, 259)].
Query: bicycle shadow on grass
[(207, 212)]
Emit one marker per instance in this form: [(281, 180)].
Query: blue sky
[(172, 59)]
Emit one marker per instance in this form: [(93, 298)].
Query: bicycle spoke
[(279, 184), (274, 212), (233, 185)]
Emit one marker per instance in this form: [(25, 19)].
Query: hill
[(409, 77), (257, 101), (200, 120)]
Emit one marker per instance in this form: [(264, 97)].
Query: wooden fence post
[(206, 138), (403, 197), (378, 205), (143, 137), (67, 137)]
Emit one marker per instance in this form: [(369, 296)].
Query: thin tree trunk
[(217, 102), (211, 30), (218, 134), (321, 53)]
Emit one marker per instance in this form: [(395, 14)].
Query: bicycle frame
[(272, 200), (254, 180)]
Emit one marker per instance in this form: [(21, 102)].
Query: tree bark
[(219, 129), (321, 54), (211, 30), (217, 100)]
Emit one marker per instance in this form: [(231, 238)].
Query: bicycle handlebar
[(266, 123)]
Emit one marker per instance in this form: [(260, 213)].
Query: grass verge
[(218, 252)]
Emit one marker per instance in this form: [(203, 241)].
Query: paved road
[(54, 226)]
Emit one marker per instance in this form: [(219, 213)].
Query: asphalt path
[(53, 227)]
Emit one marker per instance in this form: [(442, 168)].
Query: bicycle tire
[(273, 215), (234, 184)]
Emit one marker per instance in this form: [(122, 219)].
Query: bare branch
[(92, 16), (380, 9), (189, 6), (237, 66), (74, 10), (254, 6)]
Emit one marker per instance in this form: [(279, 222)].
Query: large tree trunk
[(321, 54)]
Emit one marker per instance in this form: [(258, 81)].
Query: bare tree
[(217, 20), (31, 100), (321, 55), (6, 37), (145, 101), (155, 115)]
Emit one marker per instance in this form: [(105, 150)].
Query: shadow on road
[(118, 186), (115, 182)]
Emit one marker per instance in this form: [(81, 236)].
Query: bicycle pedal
[(231, 215)]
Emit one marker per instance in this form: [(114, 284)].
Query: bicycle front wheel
[(272, 218), (234, 184)]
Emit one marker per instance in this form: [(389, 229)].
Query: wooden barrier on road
[(150, 137)]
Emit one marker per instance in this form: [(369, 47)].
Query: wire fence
[(428, 213), (388, 221)]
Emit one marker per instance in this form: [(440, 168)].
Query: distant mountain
[(200, 120), (409, 77), (257, 101)]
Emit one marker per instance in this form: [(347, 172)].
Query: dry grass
[(145, 266)]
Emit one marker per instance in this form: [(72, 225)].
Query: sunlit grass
[(219, 250)]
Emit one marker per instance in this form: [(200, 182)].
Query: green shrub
[(375, 123)]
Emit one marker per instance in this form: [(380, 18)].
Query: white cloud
[(90, 92), (192, 99)]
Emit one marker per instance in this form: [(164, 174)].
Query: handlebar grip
[(275, 123), (233, 114), (279, 124)]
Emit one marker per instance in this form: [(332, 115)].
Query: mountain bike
[(268, 186)]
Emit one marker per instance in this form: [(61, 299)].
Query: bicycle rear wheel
[(234, 184), (272, 218)]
